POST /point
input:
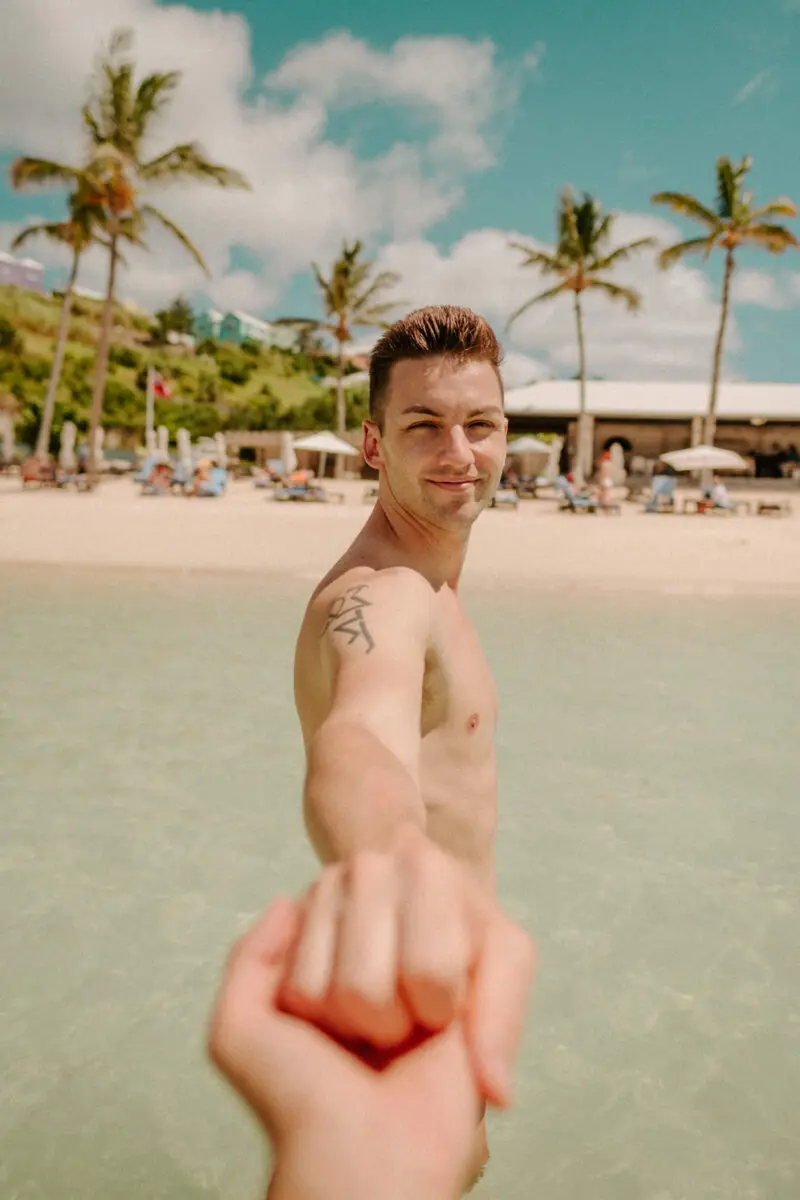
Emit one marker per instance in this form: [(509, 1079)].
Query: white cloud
[(308, 190), (759, 289), (765, 84), (671, 337)]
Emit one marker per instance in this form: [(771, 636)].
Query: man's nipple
[(472, 723)]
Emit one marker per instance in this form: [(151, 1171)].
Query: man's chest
[(459, 699)]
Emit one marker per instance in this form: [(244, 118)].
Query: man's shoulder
[(392, 587)]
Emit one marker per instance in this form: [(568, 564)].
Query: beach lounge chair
[(308, 492), (663, 497), (505, 498), (215, 484), (570, 501)]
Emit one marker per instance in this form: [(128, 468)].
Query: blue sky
[(438, 150)]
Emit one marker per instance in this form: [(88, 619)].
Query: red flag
[(161, 388)]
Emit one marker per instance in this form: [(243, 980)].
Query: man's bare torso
[(458, 712)]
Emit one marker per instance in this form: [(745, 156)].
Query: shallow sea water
[(150, 769)]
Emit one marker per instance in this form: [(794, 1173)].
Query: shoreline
[(536, 548)]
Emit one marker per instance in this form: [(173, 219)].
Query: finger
[(434, 939), (309, 977), (249, 984), (501, 984), (365, 1000)]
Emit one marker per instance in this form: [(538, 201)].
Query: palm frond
[(681, 249), (621, 254), (775, 238), (187, 161), (57, 231), (41, 172), (547, 263), (147, 210), (616, 292), (550, 294), (688, 206), (782, 207), (152, 97)]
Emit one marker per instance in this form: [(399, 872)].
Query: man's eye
[(483, 425), (422, 425)]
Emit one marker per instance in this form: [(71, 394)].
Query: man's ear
[(372, 446)]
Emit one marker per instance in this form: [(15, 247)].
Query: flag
[(160, 387)]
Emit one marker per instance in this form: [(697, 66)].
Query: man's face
[(443, 445)]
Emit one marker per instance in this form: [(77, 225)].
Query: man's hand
[(392, 945), (340, 1127)]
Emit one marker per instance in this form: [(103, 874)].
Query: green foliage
[(177, 318), (251, 347), (207, 346), (123, 356), (234, 372), (10, 340)]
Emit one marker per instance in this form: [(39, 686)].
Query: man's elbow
[(358, 793)]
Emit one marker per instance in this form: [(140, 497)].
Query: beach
[(536, 545)]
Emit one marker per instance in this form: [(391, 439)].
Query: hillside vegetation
[(220, 386)]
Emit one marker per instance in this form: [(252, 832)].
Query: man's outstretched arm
[(362, 781)]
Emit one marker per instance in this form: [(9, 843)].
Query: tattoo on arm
[(347, 615)]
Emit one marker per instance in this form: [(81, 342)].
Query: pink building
[(25, 273)]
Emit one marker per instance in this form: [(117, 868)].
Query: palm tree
[(79, 231), (118, 119), (351, 297), (581, 259), (733, 221)]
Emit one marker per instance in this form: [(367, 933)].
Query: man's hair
[(439, 329)]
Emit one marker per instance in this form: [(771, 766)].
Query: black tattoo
[(346, 616)]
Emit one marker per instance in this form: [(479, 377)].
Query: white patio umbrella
[(704, 458), (162, 441), (66, 449), (357, 379), (326, 443), (528, 445), (221, 450), (185, 453), (618, 472), (151, 445), (6, 437)]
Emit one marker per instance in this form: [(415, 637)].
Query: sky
[(438, 134)]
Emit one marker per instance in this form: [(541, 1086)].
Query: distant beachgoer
[(718, 495), (201, 475), (395, 698)]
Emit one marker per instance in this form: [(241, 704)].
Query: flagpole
[(150, 433)]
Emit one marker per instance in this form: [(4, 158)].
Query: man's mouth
[(454, 485)]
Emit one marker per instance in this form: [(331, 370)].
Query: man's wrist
[(319, 1170)]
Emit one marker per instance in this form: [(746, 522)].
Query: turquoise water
[(649, 838)]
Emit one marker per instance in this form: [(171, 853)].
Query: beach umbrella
[(288, 456), (357, 379), (704, 458), (528, 445), (185, 452), (151, 445), (99, 438), (66, 450), (618, 472), (221, 450), (324, 444), (162, 441)]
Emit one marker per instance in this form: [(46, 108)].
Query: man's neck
[(436, 553)]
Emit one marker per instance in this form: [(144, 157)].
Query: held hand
[(340, 1127), (394, 944)]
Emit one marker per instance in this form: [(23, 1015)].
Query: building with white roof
[(649, 418), (24, 273)]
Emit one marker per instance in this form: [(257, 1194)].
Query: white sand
[(536, 545)]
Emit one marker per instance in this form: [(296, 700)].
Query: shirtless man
[(395, 698)]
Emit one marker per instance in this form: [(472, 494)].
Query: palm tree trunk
[(101, 366), (341, 410), (711, 418), (579, 463), (46, 426)]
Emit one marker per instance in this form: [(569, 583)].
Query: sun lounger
[(505, 498), (663, 497), (216, 483), (310, 493)]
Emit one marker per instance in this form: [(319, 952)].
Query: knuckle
[(365, 868)]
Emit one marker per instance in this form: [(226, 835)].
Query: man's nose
[(456, 451)]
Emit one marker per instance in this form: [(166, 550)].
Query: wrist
[(331, 1168)]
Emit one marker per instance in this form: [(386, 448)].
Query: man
[(395, 698)]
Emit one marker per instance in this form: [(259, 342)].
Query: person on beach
[(395, 698), (342, 1125)]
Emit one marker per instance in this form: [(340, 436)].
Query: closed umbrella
[(162, 441), (528, 445), (704, 458), (288, 456), (66, 450), (221, 450)]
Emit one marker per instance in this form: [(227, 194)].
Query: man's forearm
[(358, 794)]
